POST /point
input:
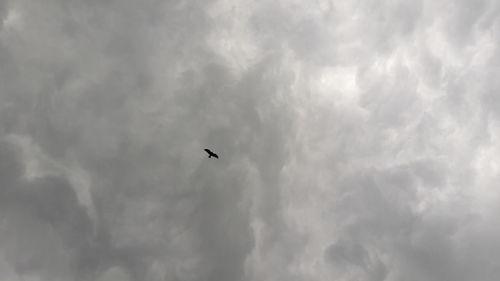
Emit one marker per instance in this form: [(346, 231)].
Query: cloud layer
[(358, 140)]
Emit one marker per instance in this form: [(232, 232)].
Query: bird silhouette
[(211, 154)]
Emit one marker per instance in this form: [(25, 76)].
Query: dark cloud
[(357, 141)]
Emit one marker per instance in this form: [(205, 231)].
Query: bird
[(211, 154)]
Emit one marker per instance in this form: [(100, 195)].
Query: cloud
[(358, 141)]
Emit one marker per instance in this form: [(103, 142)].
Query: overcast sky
[(358, 140)]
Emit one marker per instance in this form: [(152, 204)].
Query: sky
[(358, 140)]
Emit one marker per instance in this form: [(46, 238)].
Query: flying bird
[(211, 154)]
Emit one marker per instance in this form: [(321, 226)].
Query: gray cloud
[(358, 141)]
